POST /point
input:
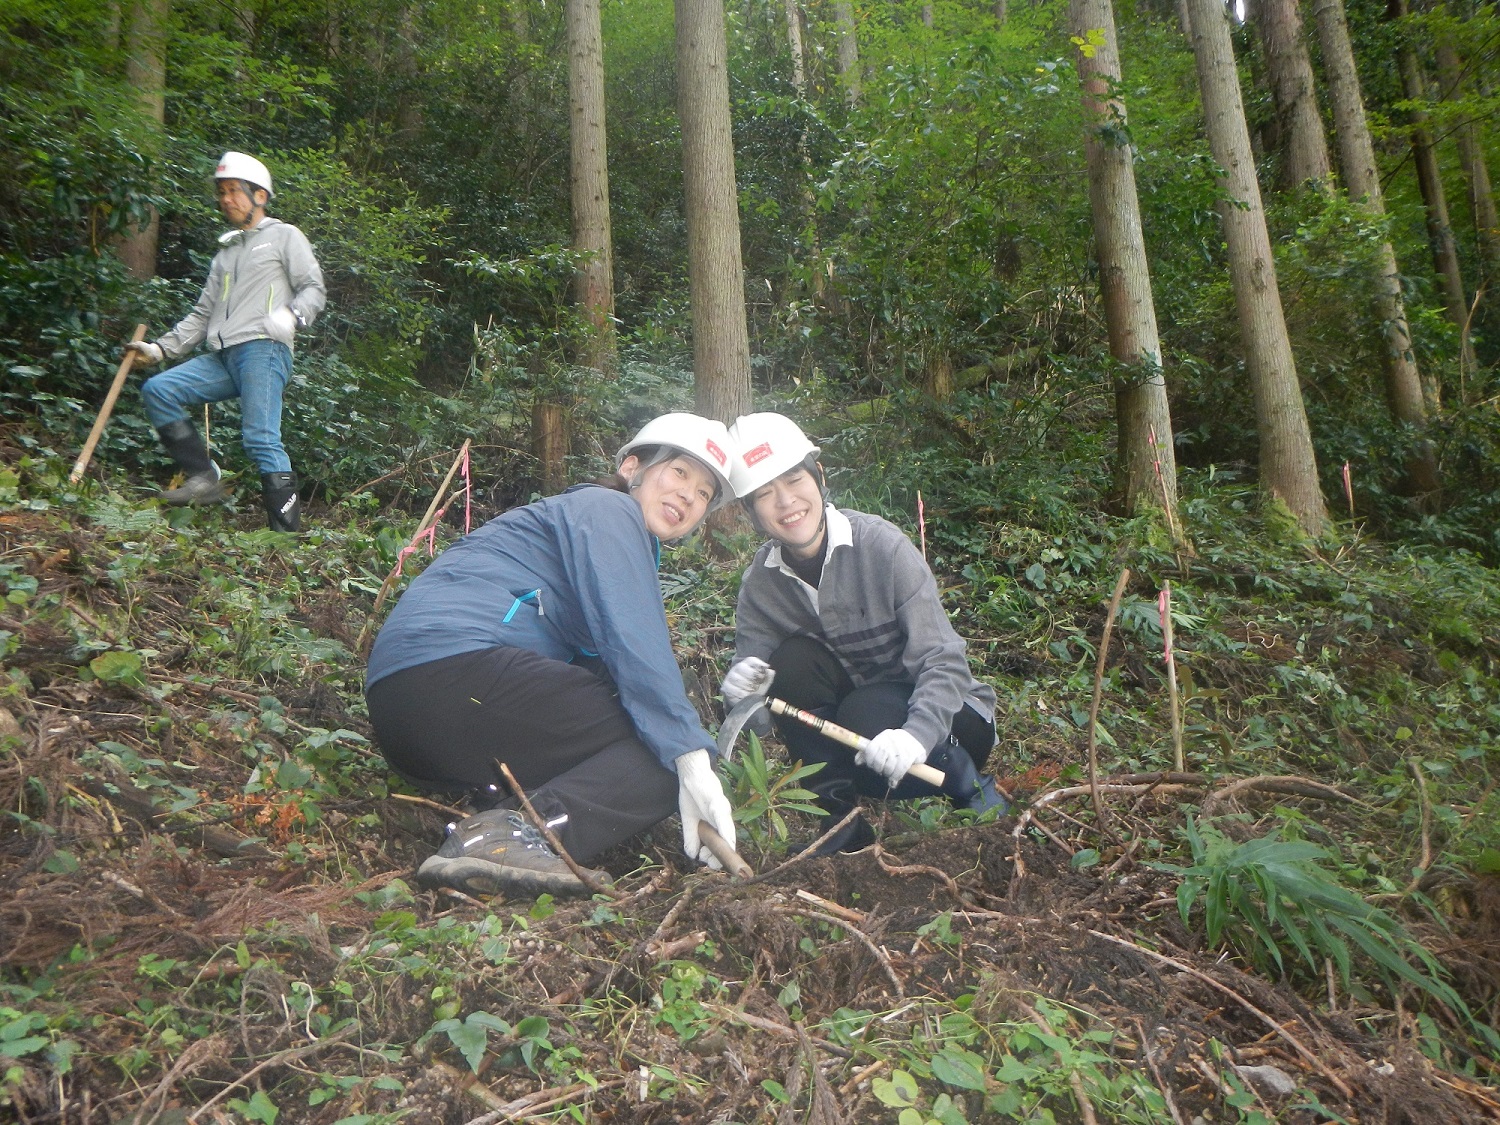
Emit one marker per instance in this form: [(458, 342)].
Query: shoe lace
[(530, 836)]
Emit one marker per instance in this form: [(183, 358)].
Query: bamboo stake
[(1109, 628), (107, 409), (1169, 656)]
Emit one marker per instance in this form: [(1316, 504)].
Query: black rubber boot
[(181, 441), (278, 491), (964, 785), (837, 799)]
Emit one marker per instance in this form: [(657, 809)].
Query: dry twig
[(594, 886), (1109, 628), (1291, 1040)]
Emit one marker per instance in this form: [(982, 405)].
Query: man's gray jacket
[(258, 271)]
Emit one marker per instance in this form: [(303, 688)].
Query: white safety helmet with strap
[(703, 439), (767, 445), (239, 166)]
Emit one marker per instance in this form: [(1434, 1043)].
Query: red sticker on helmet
[(719, 455), (759, 453)]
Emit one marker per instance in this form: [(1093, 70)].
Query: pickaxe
[(741, 713)]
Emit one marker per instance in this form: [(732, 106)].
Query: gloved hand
[(751, 676), (283, 320), (891, 753), (146, 351), (700, 796)]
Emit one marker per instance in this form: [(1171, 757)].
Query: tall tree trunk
[(1404, 390), (146, 72), (1304, 148), (594, 287), (1472, 160), (721, 340), (549, 443), (1288, 466), (1142, 412), (1434, 198), (1002, 11), (804, 157), (848, 50)]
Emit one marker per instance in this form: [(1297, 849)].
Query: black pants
[(809, 676), (558, 727)]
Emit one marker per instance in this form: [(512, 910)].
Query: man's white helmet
[(766, 445), (239, 166), (703, 438)]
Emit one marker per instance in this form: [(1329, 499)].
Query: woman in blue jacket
[(540, 641)]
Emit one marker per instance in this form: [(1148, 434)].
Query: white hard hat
[(239, 166), (705, 439), (766, 445)]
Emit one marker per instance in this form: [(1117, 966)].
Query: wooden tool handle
[(921, 771), (724, 851), (108, 408)]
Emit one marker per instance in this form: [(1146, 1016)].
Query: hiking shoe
[(500, 852), (200, 488)]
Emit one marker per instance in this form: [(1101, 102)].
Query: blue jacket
[(574, 574)]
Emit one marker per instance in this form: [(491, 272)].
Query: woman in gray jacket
[(844, 610), (263, 285)]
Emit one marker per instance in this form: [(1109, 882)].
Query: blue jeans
[(256, 372)]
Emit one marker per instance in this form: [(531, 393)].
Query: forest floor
[(207, 911)]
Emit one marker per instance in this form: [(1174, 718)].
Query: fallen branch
[(760, 1023), (584, 877), (1291, 1040), (856, 933), (280, 1058), (805, 854), (1265, 783), (522, 1109), (913, 869)]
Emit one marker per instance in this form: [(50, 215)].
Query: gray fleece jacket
[(258, 271), (877, 609)]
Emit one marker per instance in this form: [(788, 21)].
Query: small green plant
[(1265, 893), (764, 791)]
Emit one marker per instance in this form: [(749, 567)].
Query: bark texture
[(1472, 159), (593, 286), (1303, 145), (1142, 412), (1404, 391), (721, 341), (1440, 240), (848, 49), (1288, 466), (146, 71)]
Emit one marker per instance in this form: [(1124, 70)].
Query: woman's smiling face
[(674, 495), (790, 508)]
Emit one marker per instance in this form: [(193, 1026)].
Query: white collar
[(836, 526)]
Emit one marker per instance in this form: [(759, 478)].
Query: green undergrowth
[(1349, 663)]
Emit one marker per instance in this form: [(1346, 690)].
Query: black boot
[(964, 785), (181, 441), (278, 491), (838, 799)]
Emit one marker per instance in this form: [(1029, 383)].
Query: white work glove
[(891, 753), (283, 320), (751, 676), (700, 796), (146, 350)]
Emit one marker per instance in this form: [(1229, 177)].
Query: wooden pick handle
[(724, 851), (921, 771), (108, 408)]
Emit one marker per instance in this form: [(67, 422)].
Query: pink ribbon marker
[(922, 523)]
